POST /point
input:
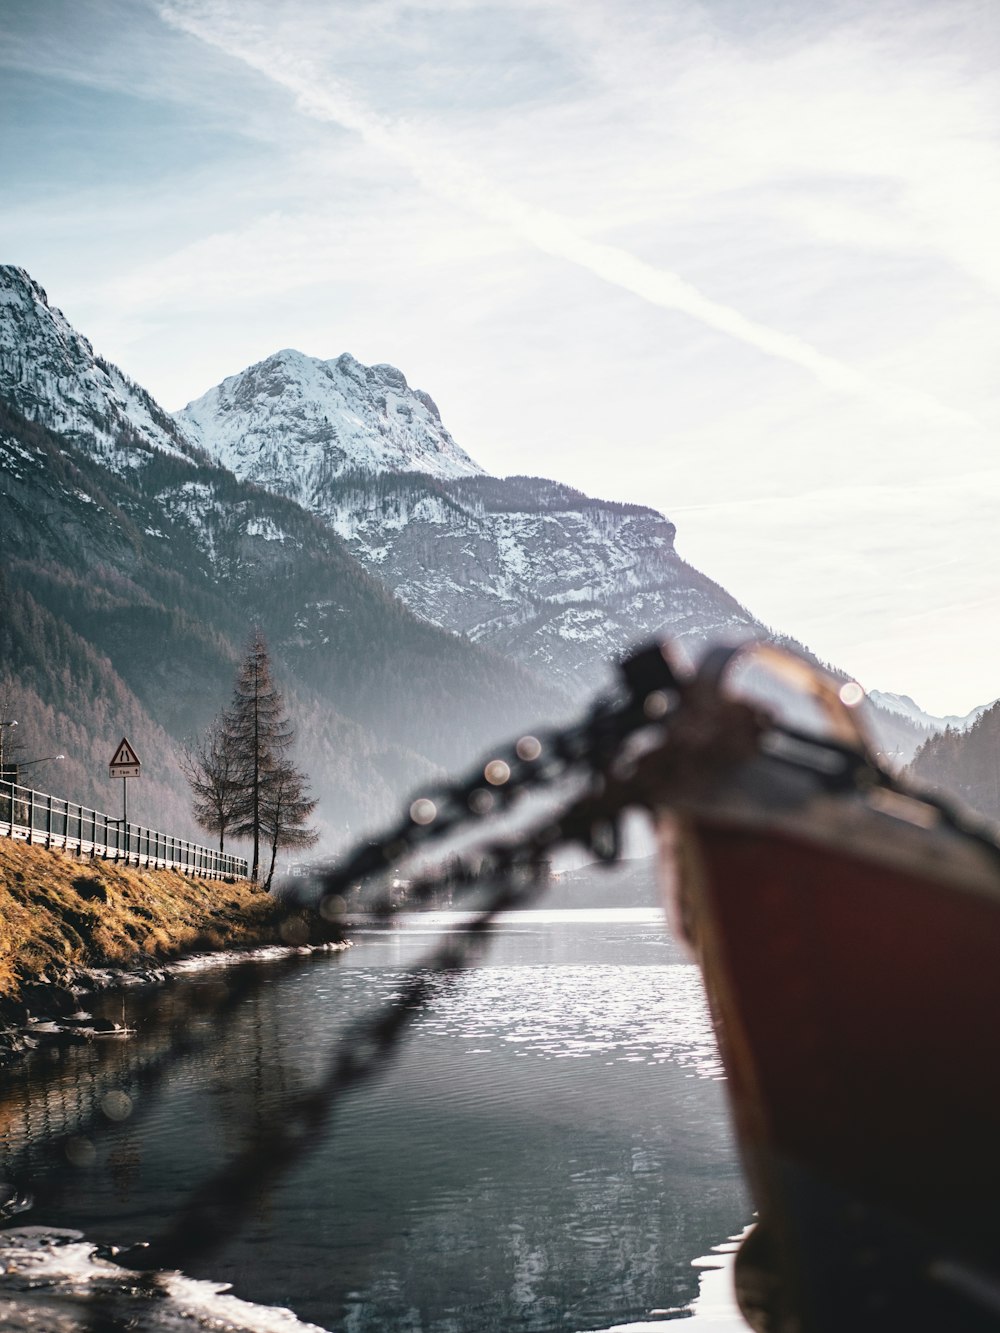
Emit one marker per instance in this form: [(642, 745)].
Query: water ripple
[(645, 1015)]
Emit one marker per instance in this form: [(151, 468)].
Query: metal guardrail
[(37, 817)]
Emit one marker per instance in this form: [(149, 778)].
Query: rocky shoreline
[(52, 1012)]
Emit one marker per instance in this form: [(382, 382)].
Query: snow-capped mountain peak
[(50, 373), (535, 570), (294, 422)]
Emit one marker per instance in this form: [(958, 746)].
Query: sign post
[(124, 764)]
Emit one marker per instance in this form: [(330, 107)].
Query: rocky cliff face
[(547, 577), (550, 577)]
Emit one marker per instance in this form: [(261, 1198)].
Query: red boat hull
[(856, 1000)]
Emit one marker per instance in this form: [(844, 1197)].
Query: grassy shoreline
[(61, 916)]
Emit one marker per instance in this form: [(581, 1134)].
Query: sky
[(734, 259)]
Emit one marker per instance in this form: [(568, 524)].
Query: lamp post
[(30, 763)]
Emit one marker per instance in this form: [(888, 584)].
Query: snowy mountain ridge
[(50, 374), (545, 575)]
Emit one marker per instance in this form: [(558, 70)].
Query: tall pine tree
[(259, 734)]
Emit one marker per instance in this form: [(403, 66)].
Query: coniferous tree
[(965, 764), (273, 806), (259, 733)]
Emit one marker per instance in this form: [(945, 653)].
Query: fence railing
[(37, 817)]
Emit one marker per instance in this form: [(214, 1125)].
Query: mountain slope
[(152, 564), (549, 577)]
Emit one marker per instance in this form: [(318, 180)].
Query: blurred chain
[(533, 763), (642, 748), (659, 742), (506, 872)]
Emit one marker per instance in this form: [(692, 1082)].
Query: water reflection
[(628, 1015), (549, 1151)]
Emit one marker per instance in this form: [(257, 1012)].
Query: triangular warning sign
[(124, 755)]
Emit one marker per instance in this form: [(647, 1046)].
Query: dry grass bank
[(58, 914)]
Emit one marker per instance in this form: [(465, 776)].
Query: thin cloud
[(905, 626), (326, 99)]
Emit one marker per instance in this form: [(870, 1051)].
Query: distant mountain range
[(903, 706), (417, 608)]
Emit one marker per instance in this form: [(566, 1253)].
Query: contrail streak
[(324, 98)]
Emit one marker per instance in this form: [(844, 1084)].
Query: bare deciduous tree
[(212, 769), (285, 808)]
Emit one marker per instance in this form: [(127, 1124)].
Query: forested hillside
[(965, 764)]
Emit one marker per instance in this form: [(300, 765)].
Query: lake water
[(550, 1150)]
